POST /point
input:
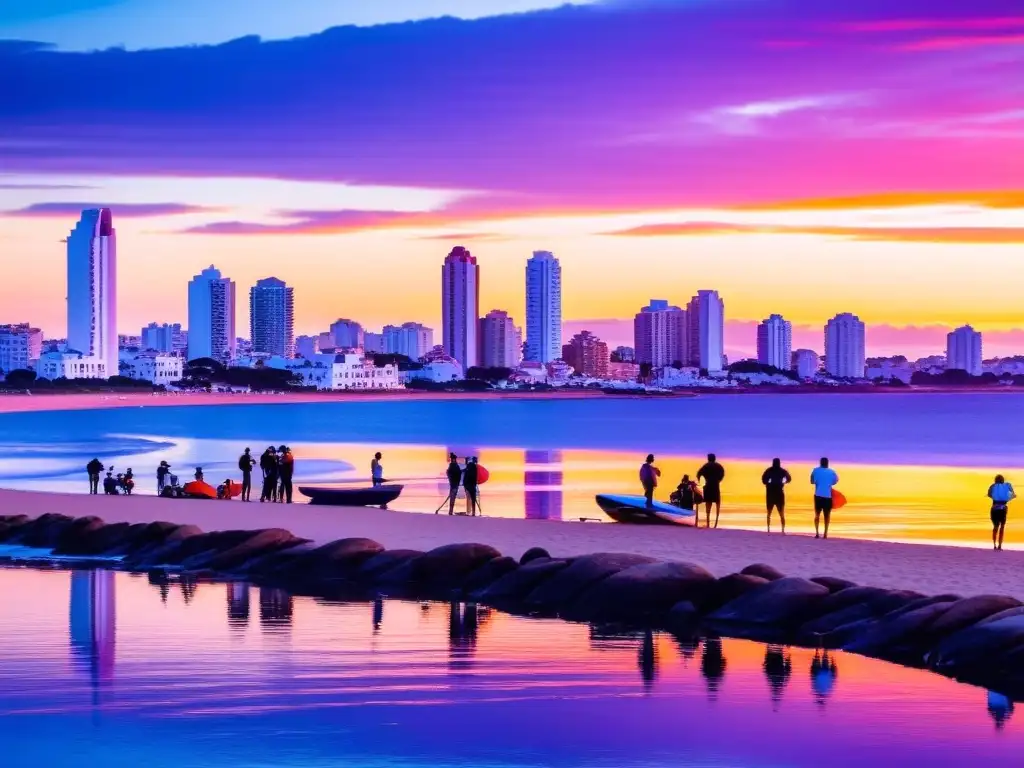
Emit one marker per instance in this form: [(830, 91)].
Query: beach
[(928, 569)]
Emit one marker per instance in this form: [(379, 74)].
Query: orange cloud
[(959, 41), (1008, 198), (947, 235)]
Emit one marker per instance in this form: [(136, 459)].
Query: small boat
[(377, 496), (634, 509)]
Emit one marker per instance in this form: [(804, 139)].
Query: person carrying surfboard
[(823, 478), (1001, 493), (649, 475), (775, 480), (713, 474)]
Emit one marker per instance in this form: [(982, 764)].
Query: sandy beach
[(924, 568)]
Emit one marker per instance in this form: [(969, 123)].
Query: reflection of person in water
[(823, 675), (238, 604), (1000, 707), (778, 666), (275, 608), (462, 627), (648, 659), (712, 665)]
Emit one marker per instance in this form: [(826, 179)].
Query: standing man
[(245, 463), (94, 468), (649, 475), (454, 474), (713, 474), (287, 471), (268, 464), (823, 478), (469, 482), (161, 477), (1001, 493), (775, 480)]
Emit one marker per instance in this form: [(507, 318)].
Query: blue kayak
[(634, 509)]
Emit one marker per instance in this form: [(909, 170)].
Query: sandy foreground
[(925, 568)]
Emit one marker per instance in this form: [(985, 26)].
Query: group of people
[(113, 485), (468, 477), (278, 468), (690, 495)]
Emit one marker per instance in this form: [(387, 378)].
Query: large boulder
[(556, 593), (333, 560), (265, 567), (140, 536), (384, 561), (533, 553), (641, 592), (488, 573), (154, 554), (448, 566), (779, 604), (72, 537), (837, 612), (728, 588), (513, 587), (833, 583), (44, 532), (258, 543), (976, 647), (969, 611), (93, 541), (766, 572), (10, 525), (900, 636)]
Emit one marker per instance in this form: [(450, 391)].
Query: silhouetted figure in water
[(775, 480), (823, 676), (648, 659), (1000, 708), (94, 468), (238, 604), (188, 588), (461, 634), (712, 665), (378, 612), (688, 647), (778, 666), (159, 579), (275, 608)]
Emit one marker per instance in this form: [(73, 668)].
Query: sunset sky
[(801, 157)]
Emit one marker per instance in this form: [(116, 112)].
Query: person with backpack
[(94, 468), (268, 463), (245, 463), (161, 477), (1001, 493)]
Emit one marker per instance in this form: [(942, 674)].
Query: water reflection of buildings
[(275, 609), (92, 623), (238, 604), (542, 480)]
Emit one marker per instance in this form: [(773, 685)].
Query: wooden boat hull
[(634, 509), (379, 496)]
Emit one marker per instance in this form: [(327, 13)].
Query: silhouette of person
[(824, 479), (712, 665), (376, 470), (287, 462), (454, 474), (94, 468), (649, 475), (378, 612), (775, 480), (1001, 493), (713, 474), (1000, 708), (823, 676), (778, 666), (268, 465), (245, 463), (469, 482)]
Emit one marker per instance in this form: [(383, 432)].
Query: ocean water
[(914, 466), (102, 668)]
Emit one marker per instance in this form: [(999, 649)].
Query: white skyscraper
[(543, 308), (705, 317), (92, 288), (460, 306), (347, 334), (963, 350), (660, 334), (844, 346), (211, 316), (272, 317), (775, 342)]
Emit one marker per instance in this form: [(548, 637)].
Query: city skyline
[(877, 138)]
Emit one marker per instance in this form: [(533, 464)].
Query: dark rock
[(900, 635), (781, 603), (682, 618), (141, 536), (560, 590), (533, 553), (10, 525), (833, 584), (385, 561), (72, 536), (728, 588), (92, 542), (150, 555), (969, 611), (404, 577), (488, 573), (263, 567), (873, 604), (766, 572), (43, 532), (837, 601), (258, 543), (641, 593), (975, 647), (337, 558), (514, 586), (447, 566)]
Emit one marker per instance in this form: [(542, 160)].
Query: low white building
[(20, 347), (438, 371), (70, 365), (806, 363), (154, 367), (345, 371)]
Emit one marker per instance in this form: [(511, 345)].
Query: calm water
[(98, 668), (915, 467)]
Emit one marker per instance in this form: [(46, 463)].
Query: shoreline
[(925, 568)]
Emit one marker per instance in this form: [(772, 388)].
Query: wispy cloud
[(1010, 198), (946, 235), (120, 210)]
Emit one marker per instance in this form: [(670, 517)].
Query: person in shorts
[(824, 479), (775, 480), (713, 474), (1001, 493)]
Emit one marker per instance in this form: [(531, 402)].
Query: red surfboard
[(481, 474), (838, 499)]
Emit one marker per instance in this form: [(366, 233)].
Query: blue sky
[(93, 24)]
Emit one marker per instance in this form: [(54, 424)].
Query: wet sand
[(928, 569)]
